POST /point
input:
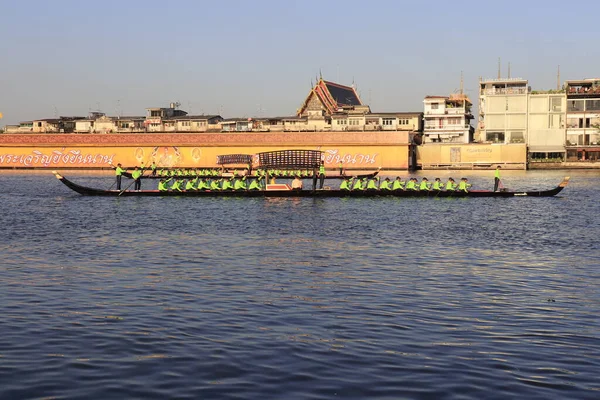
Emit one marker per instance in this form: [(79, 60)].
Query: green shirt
[(162, 186), (136, 174), (176, 185), (357, 185), (119, 171), (372, 184), (450, 185), (385, 185), (255, 185), (398, 184), (424, 185), (497, 173), (227, 184)]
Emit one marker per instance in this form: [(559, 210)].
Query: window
[(434, 106), (575, 105), (592, 105), (388, 121), (555, 104), (494, 137), (517, 137)]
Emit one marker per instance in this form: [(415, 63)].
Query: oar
[(128, 186)]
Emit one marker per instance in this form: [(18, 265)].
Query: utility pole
[(499, 70)]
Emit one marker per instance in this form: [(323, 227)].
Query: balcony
[(446, 127), (498, 91)]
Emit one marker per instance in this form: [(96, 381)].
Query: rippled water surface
[(193, 298)]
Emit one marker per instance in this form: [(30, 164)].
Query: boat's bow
[(82, 189)]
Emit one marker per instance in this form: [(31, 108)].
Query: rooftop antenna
[(508, 70), (499, 71), (320, 74), (558, 78), (55, 111), (118, 110), (461, 83), (190, 107)]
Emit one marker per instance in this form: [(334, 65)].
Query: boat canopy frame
[(234, 159), (290, 159)]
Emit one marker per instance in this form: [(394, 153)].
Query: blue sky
[(258, 58)]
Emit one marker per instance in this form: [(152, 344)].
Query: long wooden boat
[(283, 190)]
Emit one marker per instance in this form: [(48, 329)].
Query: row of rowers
[(233, 183), (399, 184), (179, 172)]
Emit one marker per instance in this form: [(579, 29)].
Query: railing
[(495, 91), (446, 127)]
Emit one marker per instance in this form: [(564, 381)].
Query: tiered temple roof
[(332, 96)]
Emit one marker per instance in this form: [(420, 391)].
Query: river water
[(154, 298)]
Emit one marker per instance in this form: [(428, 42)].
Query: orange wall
[(355, 149)]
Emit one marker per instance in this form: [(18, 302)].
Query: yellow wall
[(436, 155), (359, 150), (359, 157)]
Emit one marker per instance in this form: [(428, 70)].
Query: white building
[(583, 119), (503, 110), (447, 119), (546, 126)]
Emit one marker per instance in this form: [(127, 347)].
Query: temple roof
[(332, 96)]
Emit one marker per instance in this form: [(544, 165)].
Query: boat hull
[(87, 191)]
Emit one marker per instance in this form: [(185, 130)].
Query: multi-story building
[(583, 119), (546, 126), (503, 110), (155, 117), (447, 119)]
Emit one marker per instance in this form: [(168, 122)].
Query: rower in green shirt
[(398, 184), (385, 185), (424, 184), (372, 185), (137, 181), (162, 185), (189, 185), (118, 174), (358, 184), (464, 185), (239, 184), (176, 186), (321, 175), (450, 185), (214, 185), (227, 184), (255, 184), (437, 184), (411, 184), (346, 184), (497, 178)]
